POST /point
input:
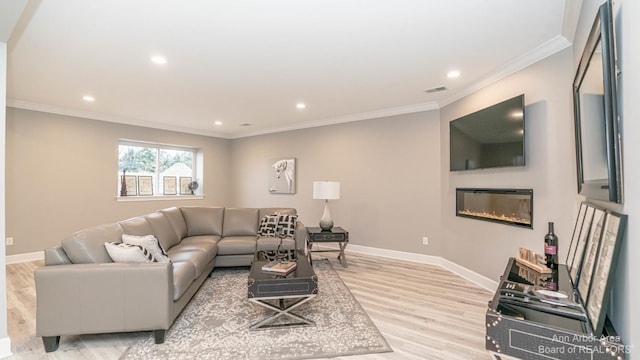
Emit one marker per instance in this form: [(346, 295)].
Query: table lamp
[(326, 190)]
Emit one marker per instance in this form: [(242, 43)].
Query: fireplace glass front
[(506, 206)]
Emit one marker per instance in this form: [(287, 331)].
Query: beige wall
[(388, 169), (485, 247), (61, 175)]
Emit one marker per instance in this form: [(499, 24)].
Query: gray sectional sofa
[(80, 290)]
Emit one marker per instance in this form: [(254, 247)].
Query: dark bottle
[(551, 248), (552, 281)]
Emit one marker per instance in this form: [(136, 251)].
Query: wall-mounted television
[(489, 138)]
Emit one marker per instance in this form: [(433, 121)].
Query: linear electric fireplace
[(505, 206)]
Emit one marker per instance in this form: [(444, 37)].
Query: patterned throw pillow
[(287, 225), (126, 253), (268, 226), (148, 242)]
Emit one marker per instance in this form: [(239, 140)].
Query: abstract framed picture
[(145, 185), (184, 185), (282, 176), (576, 263), (591, 253), (598, 300), (576, 233), (169, 185), (130, 181)]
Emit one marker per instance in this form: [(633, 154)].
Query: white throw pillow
[(148, 242), (127, 253)]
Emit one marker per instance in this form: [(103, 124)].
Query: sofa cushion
[(175, 217), (87, 246), (268, 225), (200, 258), (161, 226), (136, 226), (272, 211), (237, 245), (240, 222), (203, 220), (183, 275), (128, 253), (206, 243), (149, 242)]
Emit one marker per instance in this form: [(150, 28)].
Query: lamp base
[(326, 224)]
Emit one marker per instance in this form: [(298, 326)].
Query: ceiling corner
[(570, 17)]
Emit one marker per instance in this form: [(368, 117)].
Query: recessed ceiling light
[(301, 106), (158, 59), (453, 74), (217, 123), (88, 98)]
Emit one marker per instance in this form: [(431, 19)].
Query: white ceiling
[(251, 61)]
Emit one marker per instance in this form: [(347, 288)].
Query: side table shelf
[(337, 235)]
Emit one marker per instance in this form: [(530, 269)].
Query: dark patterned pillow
[(268, 226), (287, 225), (128, 253)]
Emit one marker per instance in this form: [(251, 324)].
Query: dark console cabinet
[(533, 331)]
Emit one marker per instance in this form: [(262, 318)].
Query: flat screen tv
[(489, 138)]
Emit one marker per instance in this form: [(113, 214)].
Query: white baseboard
[(5, 347), (461, 271), (26, 257)]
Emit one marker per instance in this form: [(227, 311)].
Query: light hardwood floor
[(424, 312)]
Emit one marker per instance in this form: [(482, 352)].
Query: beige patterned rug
[(215, 325)]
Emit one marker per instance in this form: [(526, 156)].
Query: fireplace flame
[(492, 215)]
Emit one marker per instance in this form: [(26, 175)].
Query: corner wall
[(388, 169), (485, 247), (61, 175)]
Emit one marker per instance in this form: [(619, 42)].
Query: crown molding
[(26, 105), (540, 52), (401, 110)]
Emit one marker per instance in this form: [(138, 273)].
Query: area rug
[(215, 325)]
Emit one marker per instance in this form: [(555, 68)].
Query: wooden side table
[(337, 234)]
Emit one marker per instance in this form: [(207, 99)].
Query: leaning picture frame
[(598, 301), (576, 263), (184, 185), (130, 182), (576, 233), (145, 185), (591, 254), (169, 185)]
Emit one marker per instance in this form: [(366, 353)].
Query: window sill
[(158, 198)]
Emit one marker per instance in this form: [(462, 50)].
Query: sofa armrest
[(106, 297), (301, 236)]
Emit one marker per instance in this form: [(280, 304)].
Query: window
[(155, 169)]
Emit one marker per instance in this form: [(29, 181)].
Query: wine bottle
[(551, 248)]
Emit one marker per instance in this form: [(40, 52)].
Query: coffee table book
[(279, 267)]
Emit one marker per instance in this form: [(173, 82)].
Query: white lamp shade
[(326, 190)]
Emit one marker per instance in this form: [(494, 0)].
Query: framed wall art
[(130, 181), (184, 185), (145, 185), (576, 233), (598, 299), (591, 253), (282, 176), (576, 263), (169, 185)]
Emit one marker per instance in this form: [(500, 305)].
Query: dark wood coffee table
[(282, 294)]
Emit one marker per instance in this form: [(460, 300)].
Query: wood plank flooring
[(424, 312)]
